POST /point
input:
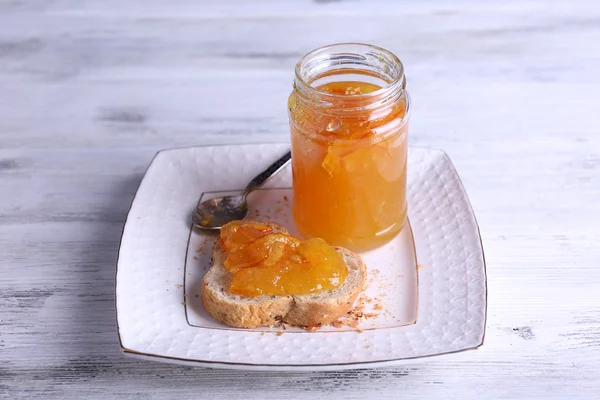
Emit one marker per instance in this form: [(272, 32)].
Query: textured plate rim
[(306, 366)]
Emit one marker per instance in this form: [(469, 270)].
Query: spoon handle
[(272, 170)]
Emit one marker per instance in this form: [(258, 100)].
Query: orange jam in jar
[(349, 125), (265, 262)]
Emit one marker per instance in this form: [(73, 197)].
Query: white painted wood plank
[(90, 90)]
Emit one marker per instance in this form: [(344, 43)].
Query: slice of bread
[(306, 310)]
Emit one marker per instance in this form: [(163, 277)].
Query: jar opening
[(349, 62)]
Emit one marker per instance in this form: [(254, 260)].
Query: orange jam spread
[(264, 262), (348, 88), (349, 167)]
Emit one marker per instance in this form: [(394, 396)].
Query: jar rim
[(371, 60), (396, 83)]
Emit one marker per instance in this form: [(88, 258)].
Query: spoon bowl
[(214, 213)]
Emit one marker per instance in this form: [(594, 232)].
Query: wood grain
[(89, 90)]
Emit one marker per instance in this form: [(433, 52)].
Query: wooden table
[(90, 90)]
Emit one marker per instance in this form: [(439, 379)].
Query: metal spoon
[(216, 212)]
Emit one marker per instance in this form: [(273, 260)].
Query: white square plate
[(435, 307)]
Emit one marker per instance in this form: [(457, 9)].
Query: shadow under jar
[(349, 114)]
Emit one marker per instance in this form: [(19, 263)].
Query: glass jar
[(349, 114)]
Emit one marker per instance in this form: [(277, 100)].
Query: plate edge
[(120, 244), (462, 186), (288, 367)]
